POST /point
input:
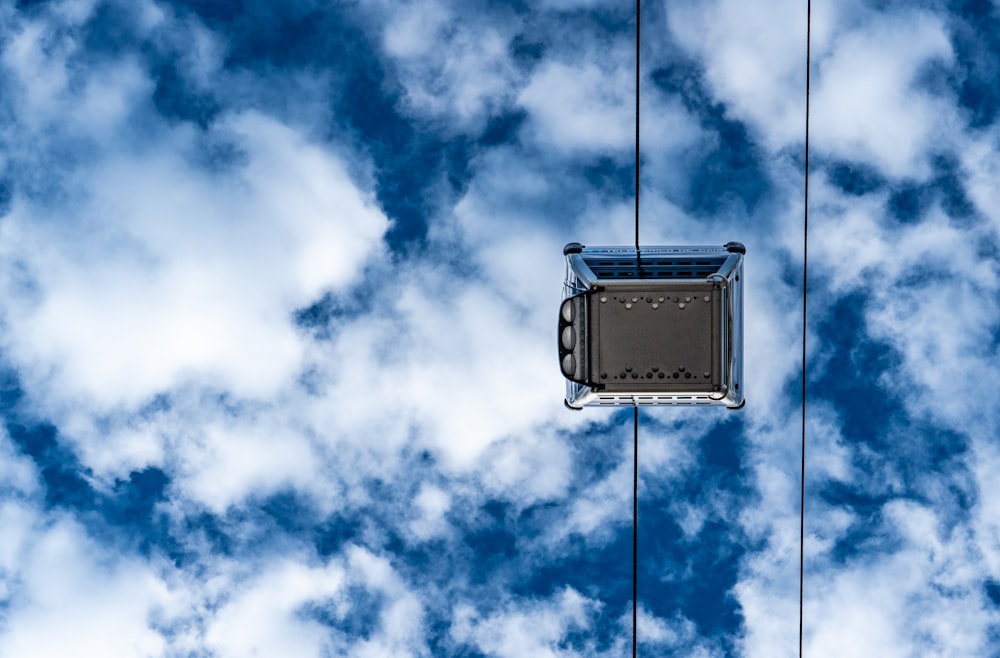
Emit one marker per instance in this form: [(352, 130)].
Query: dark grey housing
[(660, 326)]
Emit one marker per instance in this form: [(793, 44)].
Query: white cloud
[(571, 5), (981, 166), (918, 600), (229, 460), (545, 628), (151, 276), (679, 635), (753, 58), (599, 510), (129, 268), (535, 628), (865, 63), (922, 596), (454, 65), (69, 597), (401, 618), (865, 105), (984, 458), (18, 521), (449, 359), (261, 616), (17, 473), (528, 468), (431, 503), (162, 275), (586, 105), (929, 304), (772, 325), (56, 92)]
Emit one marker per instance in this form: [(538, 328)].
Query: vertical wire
[(635, 409), (638, 12), (635, 522), (805, 281)]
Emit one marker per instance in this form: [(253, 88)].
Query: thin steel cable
[(638, 13), (635, 409), (805, 297), (635, 521)]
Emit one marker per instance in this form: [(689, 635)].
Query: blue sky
[(278, 289)]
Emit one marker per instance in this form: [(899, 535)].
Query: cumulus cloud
[(753, 59), (426, 354), (291, 607), (582, 105), (455, 65), (914, 284), (867, 106), (144, 270), (361, 443), (536, 630), (67, 595), (915, 600), (185, 274)]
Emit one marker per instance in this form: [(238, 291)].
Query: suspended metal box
[(663, 325)]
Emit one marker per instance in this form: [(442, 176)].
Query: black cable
[(635, 409), (805, 280), (635, 521), (638, 12)]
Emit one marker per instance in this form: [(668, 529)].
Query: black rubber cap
[(739, 406), (566, 404), (572, 248), (734, 248)]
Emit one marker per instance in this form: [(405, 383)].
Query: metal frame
[(635, 301)]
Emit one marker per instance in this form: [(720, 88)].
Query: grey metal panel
[(656, 338), (651, 339)]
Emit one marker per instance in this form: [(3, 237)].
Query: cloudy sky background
[(278, 289)]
